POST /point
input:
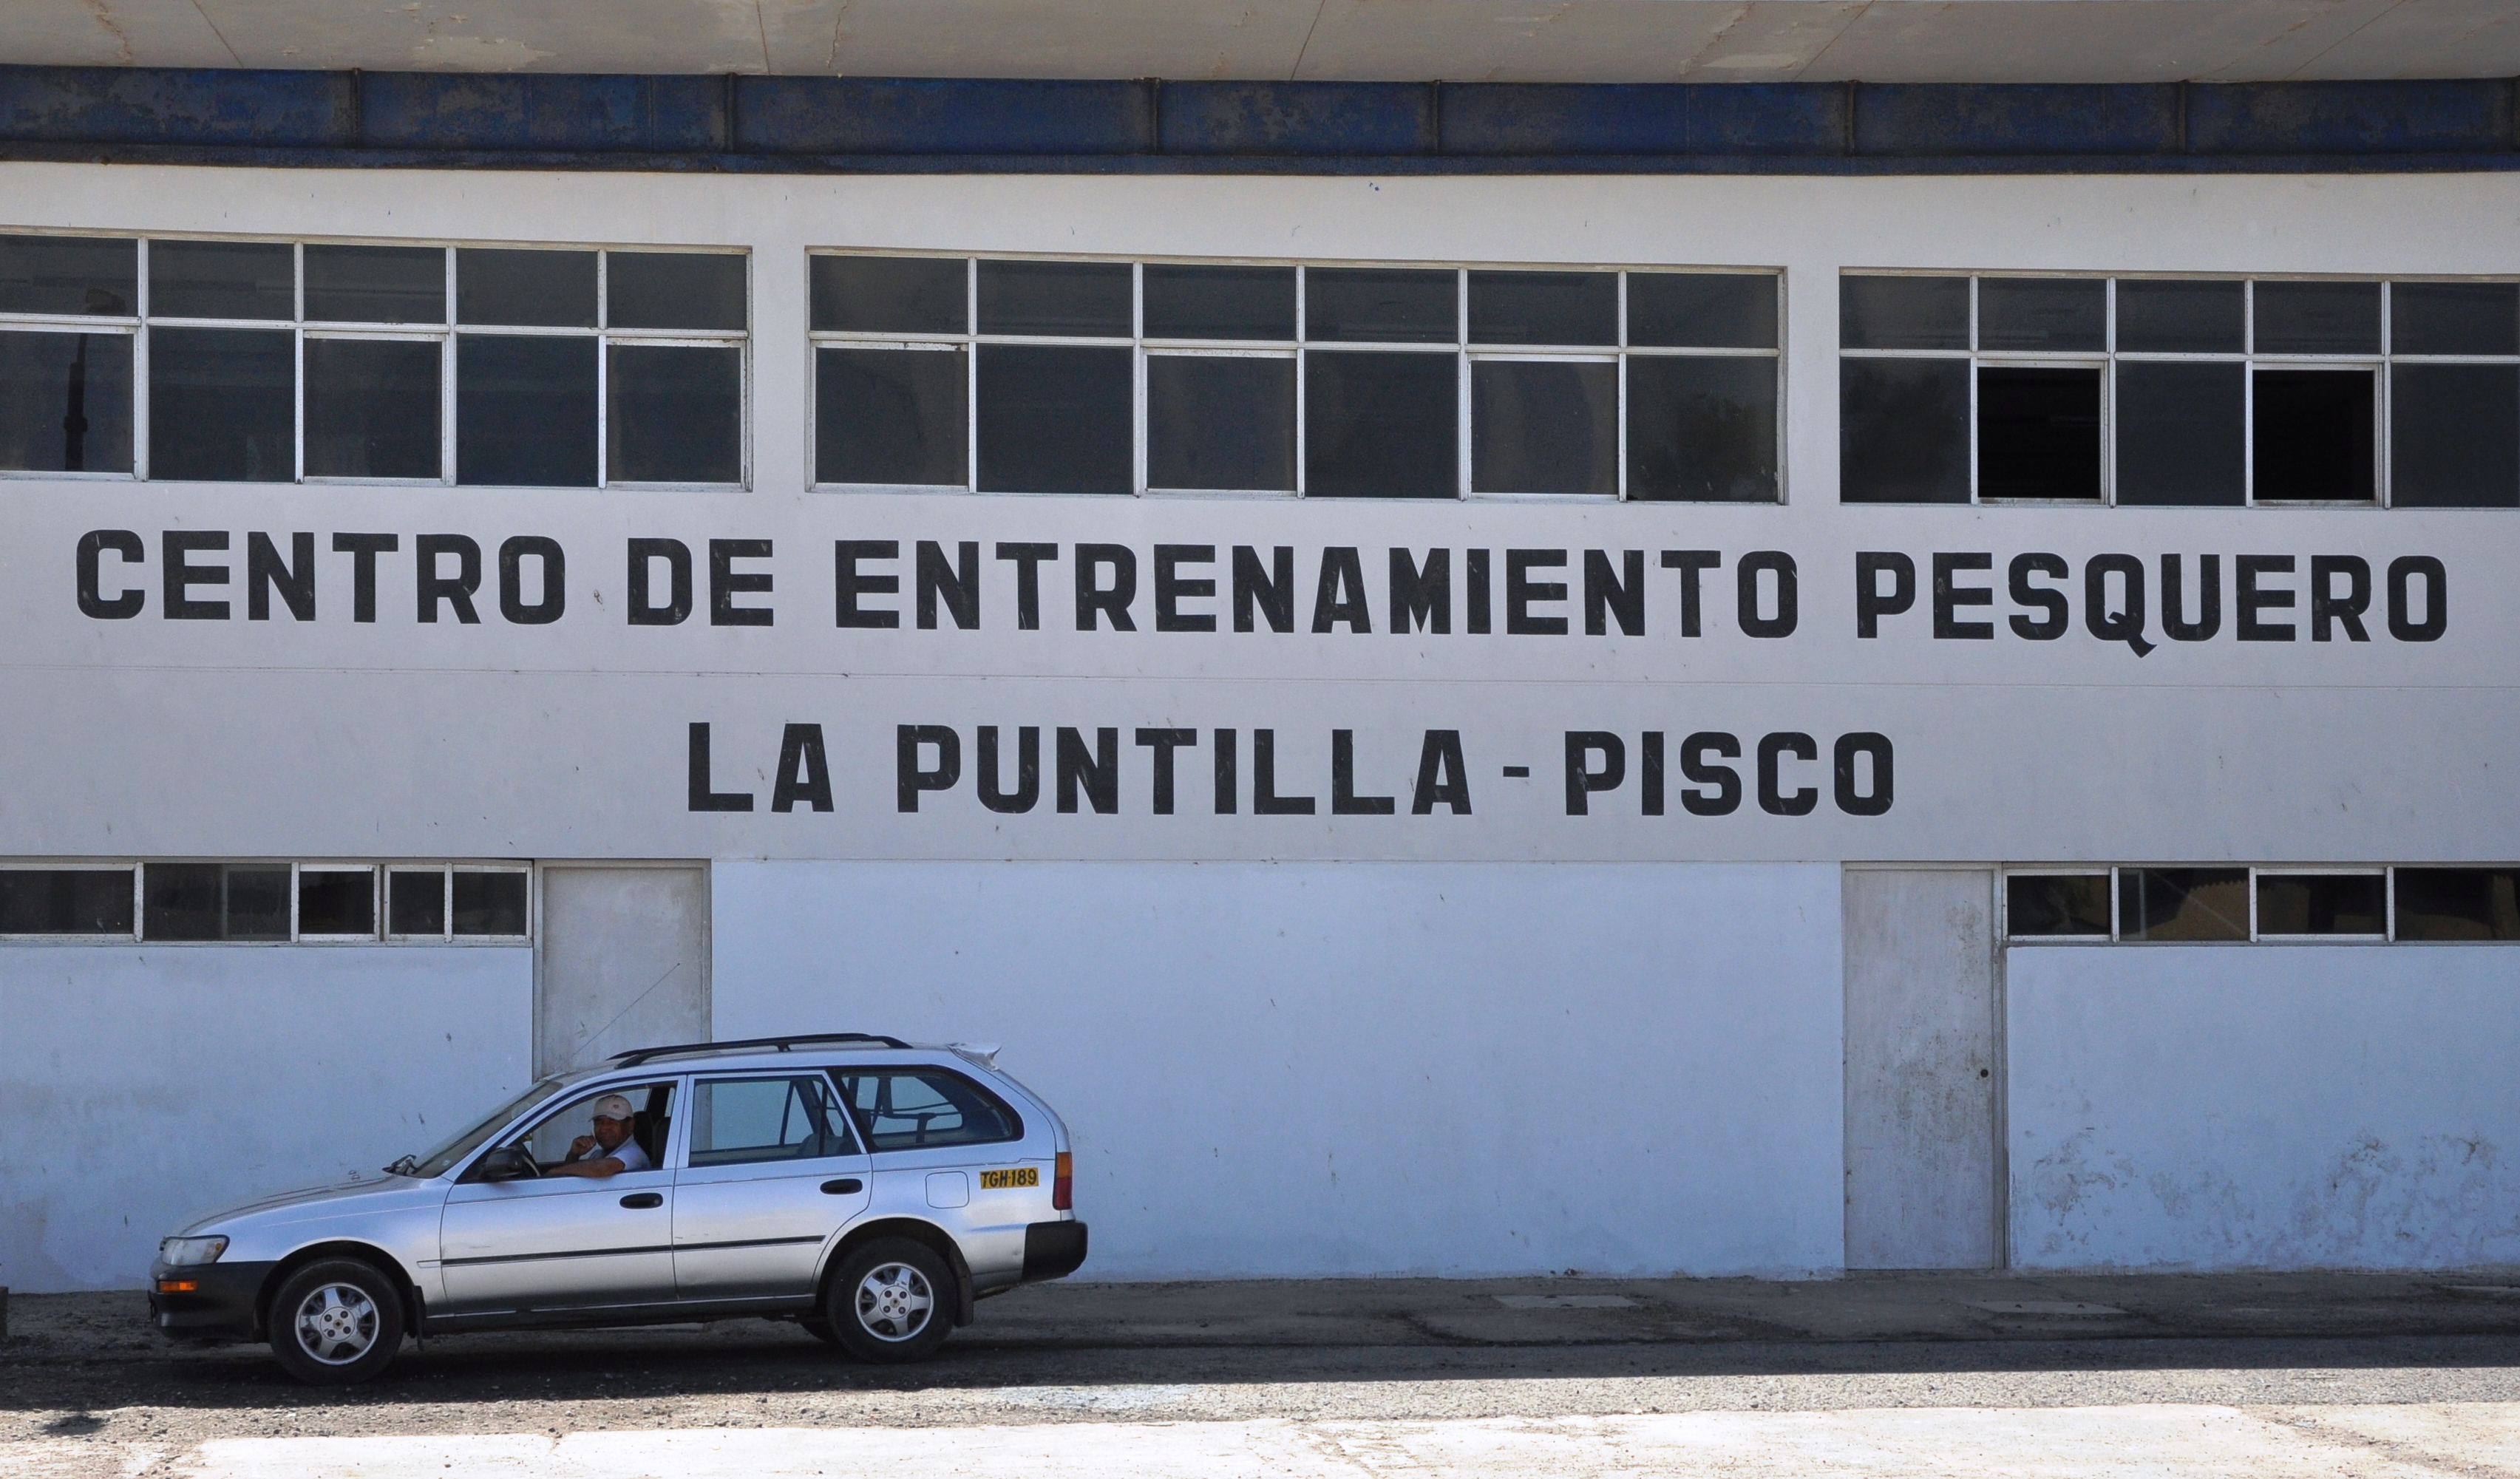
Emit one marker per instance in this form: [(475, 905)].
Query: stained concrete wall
[(141, 1086), (1348, 1069), (2264, 1107)]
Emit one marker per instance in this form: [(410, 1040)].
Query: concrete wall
[(2264, 1106), (142, 1086), (1349, 1069)]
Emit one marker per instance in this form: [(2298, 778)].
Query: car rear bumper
[(1052, 1249), (220, 1305)]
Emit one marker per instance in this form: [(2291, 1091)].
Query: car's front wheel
[(891, 1300), (336, 1322)]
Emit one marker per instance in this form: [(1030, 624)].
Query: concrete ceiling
[(1366, 40)]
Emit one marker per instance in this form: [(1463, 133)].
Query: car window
[(552, 1135), (436, 1161), (908, 1109), (736, 1121)]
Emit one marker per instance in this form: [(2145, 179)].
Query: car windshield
[(437, 1162)]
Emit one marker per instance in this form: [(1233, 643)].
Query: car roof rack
[(638, 1055)]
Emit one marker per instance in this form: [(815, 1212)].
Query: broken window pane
[(372, 408), (1903, 429), (415, 901), (1702, 310), (2043, 313), (1217, 421), (2455, 436), (377, 284), (1544, 426), (674, 290), (889, 416), (339, 901), (2313, 436), (2182, 903), (1543, 307), (2179, 316), (2454, 318), (2050, 905), (2038, 432), (1386, 306), (525, 411), (1079, 300), (2458, 904), (65, 402), (221, 405), (1220, 302), (2318, 318), (2321, 904), (1702, 429), (1903, 312), (873, 294), (2181, 433), (231, 280), (1055, 418), (490, 903), (498, 285), (676, 414), (41, 274), (1380, 425), (66, 901)]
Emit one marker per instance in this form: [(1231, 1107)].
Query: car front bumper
[(222, 1304)]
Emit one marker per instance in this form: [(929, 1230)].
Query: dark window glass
[(889, 416), (1544, 426), (490, 903), (66, 901), (525, 411), (69, 275), (2318, 318), (496, 285), (2175, 316), (2181, 433), (1702, 429), (221, 405), (1055, 418), (257, 903), (2458, 904), (1220, 422), (676, 414), (1543, 307), (1903, 313), (1702, 310), (181, 901), (2454, 318), (674, 290), (1381, 425), (65, 402), (2038, 432), (2321, 904), (2313, 434), (415, 901), (2043, 313), (866, 295), (1385, 305), (1903, 431), (377, 284), (1220, 302), (1087, 299), (336, 903), (2182, 903), (737, 1122), (372, 408), (2455, 436), (906, 1111), (2041, 905), (234, 280)]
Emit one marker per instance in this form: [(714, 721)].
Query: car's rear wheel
[(336, 1322), (891, 1300)]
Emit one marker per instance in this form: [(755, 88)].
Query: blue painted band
[(919, 125)]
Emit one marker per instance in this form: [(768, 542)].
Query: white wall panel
[(141, 1086), (1327, 1069), (2264, 1106)]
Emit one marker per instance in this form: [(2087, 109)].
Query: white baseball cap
[(612, 1107)]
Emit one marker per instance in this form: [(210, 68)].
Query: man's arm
[(597, 1169)]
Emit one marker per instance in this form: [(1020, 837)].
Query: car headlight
[(176, 1252)]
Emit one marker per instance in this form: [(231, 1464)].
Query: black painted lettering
[(2115, 622), (699, 797), (2403, 574), (1690, 563), (1746, 575), (1029, 559), (643, 608), (804, 771), (453, 590), (1474, 592), (1441, 776), (363, 550), (1773, 798), (545, 553), (1520, 591), (1226, 783), (1271, 590), (1111, 600), (2250, 600), (1422, 596), (957, 585), (1871, 602), (1163, 741), (1172, 588), (180, 575), (265, 572), (1339, 593), (122, 605), (1095, 772), (1726, 798), (1873, 799), (849, 584), (1649, 774), (1620, 595), (2329, 607), (1264, 800), (1583, 777), (1344, 801), (910, 776), (2017, 584), (1950, 596), (984, 759), (2209, 598)]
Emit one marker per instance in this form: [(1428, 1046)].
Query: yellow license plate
[(1021, 1176)]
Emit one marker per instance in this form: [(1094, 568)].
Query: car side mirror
[(506, 1163)]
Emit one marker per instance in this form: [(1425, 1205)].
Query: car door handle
[(642, 1200), (843, 1186)]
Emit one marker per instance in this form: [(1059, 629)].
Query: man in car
[(612, 1149)]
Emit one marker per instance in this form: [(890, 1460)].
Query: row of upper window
[(2232, 905), (267, 902), (555, 367)]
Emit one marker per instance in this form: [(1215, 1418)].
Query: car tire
[(818, 1327), (891, 1300), (336, 1323)]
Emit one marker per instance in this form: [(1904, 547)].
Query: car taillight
[(1062, 1183)]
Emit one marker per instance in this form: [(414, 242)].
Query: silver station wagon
[(868, 1190)]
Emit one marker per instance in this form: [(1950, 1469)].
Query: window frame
[(859, 1121), (688, 1132), (378, 870), (2258, 934), (139, 900)]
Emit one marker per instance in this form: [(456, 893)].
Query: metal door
[(624, 963), (563, 1242), (771, 1172)]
